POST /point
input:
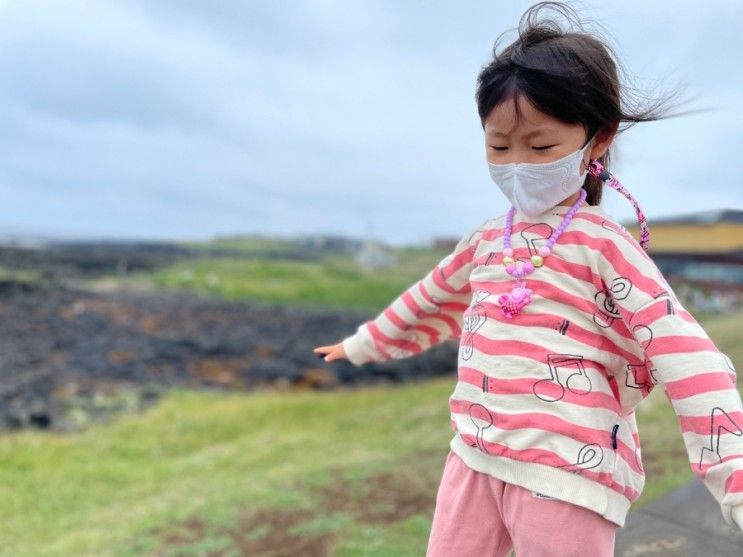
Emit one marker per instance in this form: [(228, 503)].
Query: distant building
[(374, 254), (704, 248)]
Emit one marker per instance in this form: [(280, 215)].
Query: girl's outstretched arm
[(698, 379), (427, 313)]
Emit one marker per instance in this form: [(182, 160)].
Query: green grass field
[(336, 282), (343, 473), (224, 473), (131, 487)]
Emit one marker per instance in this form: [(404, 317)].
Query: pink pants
[(477, 515)]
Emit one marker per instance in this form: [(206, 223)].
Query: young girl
[(565, 324)]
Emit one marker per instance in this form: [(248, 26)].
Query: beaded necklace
[(520, 295)]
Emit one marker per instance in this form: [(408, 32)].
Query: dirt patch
[(380, 498), (263, 533)]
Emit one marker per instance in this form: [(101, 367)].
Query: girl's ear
[(603, 141)]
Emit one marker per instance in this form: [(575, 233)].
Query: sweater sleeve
[(698, 379), (427, 313)]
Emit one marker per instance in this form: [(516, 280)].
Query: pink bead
[(544, 251), (511, 268), (528, 267), (508, 252)]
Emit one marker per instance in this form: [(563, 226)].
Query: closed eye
[(543, 148)]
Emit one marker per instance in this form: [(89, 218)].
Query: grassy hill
[(334, 281)]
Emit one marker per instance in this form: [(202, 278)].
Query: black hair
[(571, 75)]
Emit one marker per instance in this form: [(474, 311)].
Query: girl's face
[(535, 137)]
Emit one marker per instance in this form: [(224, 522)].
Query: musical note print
[(607, 312), (642, 376), (620, 288), (533, 237), (473, 319), (728, 363), (536, 235), (589, 456), (483, 417), (670, 308), (576, 382), (474, 233), (615, 227), (719, 421)]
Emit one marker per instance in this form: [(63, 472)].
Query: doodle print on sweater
[(547, 399)]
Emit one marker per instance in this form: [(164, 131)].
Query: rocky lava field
[(71, 355)]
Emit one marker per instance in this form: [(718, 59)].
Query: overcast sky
[(185, 119)]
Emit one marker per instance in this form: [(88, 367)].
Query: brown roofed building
[(705, 248)]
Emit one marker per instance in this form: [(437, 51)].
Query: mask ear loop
[(597, 169)]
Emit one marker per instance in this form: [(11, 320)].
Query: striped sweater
[(546, 399)]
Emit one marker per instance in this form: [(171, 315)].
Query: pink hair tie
[(597, 169)]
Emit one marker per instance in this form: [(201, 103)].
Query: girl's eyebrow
[(534, 132)]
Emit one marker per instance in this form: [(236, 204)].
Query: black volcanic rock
[(73, 353)]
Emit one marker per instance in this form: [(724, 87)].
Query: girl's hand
[(331, 352)]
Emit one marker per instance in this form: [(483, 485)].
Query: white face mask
[(536, 188)]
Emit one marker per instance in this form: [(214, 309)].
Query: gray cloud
[(175, 119)]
